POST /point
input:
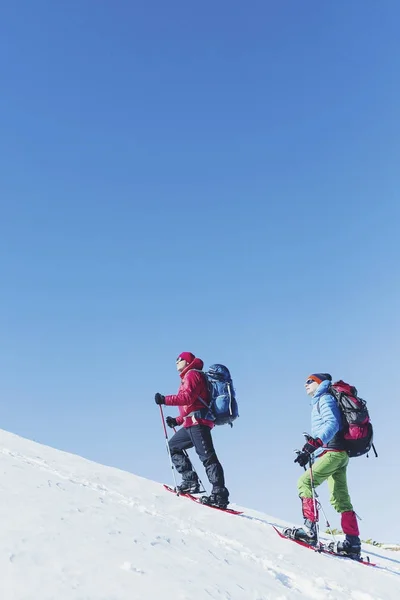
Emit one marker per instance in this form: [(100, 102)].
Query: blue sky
[(222, 179)]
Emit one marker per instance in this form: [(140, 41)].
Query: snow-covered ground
[(72, 529)]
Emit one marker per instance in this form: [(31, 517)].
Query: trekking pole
[(168, 450), (328, 525), (318, 503), (314, 497)]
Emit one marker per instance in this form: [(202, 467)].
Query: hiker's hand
[(312, 445), (309, 447), (171, 422), (159, 398), (302, 458)]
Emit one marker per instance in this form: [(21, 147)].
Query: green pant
[(332, 466)]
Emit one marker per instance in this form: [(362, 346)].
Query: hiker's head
[(314, 380), (183, 360)]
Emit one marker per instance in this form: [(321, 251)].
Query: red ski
[(322, 549), (231, 511)]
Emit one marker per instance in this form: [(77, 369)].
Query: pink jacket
[(193, 385)]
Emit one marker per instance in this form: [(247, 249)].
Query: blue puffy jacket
[(326, 419)]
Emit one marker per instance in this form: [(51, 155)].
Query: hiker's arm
[(331, 418), (188, 392)]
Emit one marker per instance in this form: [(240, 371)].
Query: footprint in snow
[(127, 566)]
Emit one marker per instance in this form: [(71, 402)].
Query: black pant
[(198, 436)]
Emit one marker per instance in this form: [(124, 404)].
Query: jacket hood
[(321, 390), (197, 364)]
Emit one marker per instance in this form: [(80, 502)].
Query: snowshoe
[(218, 500), (351, 547), (307, 534), (188, 487)]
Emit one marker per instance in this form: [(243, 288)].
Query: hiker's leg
[(322, 469), (202, 441), (340, 498), (337, 483), (181, 441)]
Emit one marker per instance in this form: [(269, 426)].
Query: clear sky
[(221, 178)]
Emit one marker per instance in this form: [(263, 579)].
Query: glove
[(171, 422), (302, 458), (312, 444), (309, 447), (159, 398)]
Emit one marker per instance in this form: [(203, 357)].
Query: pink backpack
[(357, 431)]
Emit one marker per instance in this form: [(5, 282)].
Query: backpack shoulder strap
[(207, 405)]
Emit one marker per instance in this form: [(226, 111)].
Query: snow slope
[(72, 529)]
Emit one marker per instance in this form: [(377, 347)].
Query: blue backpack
[(223, 406)]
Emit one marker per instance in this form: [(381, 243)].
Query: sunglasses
[(178, 360), (310, 381)]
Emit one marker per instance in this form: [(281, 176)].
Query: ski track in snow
[(223, 550)]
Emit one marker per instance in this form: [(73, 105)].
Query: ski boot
[(218, 500), (188, 487), (351, 546), (307, 534)]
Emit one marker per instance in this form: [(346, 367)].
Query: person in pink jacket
[(192, 398)]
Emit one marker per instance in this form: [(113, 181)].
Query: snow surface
[(76, 530)]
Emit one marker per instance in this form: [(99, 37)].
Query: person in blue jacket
[(326, 445)]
